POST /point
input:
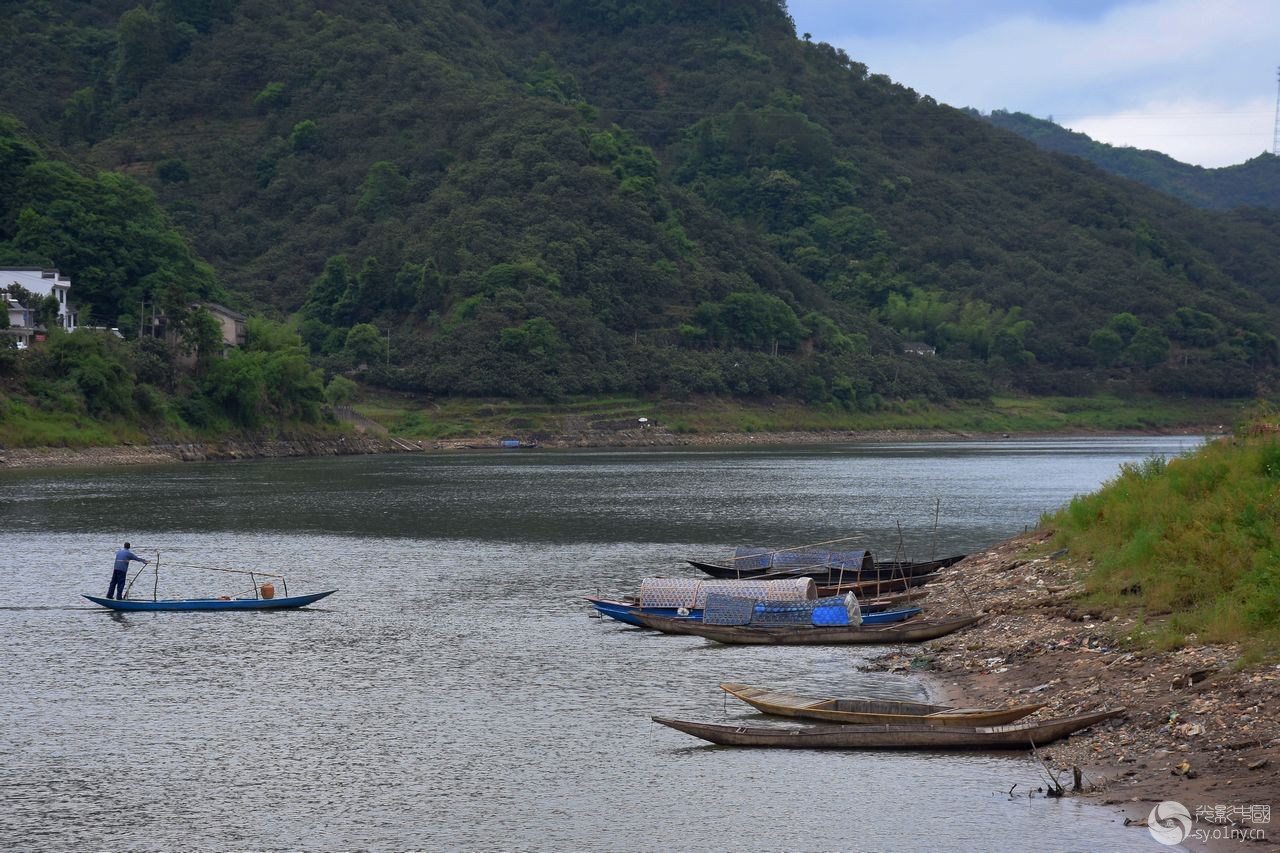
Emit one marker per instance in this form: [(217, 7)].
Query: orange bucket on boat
[(268, 590)]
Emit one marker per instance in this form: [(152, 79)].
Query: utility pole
[(1275, 141)]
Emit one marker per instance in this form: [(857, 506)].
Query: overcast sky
[(1193, 78)]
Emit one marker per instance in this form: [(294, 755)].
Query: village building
[(40, 283), (232, 324), (918, 348)]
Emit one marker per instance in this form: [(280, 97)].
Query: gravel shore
[(1197, 731)]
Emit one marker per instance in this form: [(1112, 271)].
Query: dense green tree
[(365, 345)]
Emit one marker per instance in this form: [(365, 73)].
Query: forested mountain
[(555, 197), (1255, 183)]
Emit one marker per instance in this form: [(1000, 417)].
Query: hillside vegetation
[(1193, 542), (556, 198), (1255, 183)]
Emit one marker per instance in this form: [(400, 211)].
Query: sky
[(1196, 79)]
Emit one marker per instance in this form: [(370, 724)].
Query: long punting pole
[(155, 587), (231, 571)]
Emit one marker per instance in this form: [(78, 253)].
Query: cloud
[(1151, 59), (1206, 133)]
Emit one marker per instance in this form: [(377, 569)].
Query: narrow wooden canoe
[(880, 570), (289, 603), (620, 608), (872, 711), (907, 632), (916, 736)]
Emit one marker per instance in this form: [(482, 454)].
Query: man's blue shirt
[(123, 556)]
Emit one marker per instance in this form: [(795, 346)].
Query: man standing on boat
[(123, 556)]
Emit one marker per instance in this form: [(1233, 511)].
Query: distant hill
[(553, 197), (1255, 183)]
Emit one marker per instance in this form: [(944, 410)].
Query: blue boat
[(621, 610), (624, 611), (287, 603)]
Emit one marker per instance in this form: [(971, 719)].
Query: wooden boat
[(287, 603), (907, 632), (826, 574), (914, 736), (872, 711), (620, 609)]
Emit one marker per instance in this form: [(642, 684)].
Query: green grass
[(1193, 545), (28, 426), (461, 418)]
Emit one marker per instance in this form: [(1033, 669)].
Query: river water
[(454, 694)]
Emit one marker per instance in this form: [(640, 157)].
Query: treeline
[(90, 376), (563, 197)]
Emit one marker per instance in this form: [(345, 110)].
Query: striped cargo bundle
[(668, 592), (745, 559), (837, 610), (682, 592), (834, 610), (791, 589), (728, 609)]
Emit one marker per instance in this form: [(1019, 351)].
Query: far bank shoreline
[(20, 458)]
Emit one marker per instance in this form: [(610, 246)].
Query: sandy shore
[(1196, 731)]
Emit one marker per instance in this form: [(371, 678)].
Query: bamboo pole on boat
[(792, 548), (933, 545), (155, 587)]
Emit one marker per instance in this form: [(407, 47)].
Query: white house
[(40, 283)]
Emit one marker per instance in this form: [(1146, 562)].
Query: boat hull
[(823, 574), (908, 632), (781, 703), (1022, 736), (288, 603), (623, 611)]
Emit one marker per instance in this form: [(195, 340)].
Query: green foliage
[(1193, 539), (365, 345), (340, 391), (172, 171), (381, 191), (107, 232), (305, 136), (692, 200), (273, 95)]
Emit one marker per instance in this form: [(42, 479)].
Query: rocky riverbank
[(152, 454), (1197, 731)]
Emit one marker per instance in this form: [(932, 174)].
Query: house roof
[(223, 310)]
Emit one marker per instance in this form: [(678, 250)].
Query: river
[(454, 694)]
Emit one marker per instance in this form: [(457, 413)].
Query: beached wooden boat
[(620, 609), (856, 711), (914, 736), (287, 603), (825, 574), (907, 632)]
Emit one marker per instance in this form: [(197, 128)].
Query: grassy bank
[(444, 419), (1192, 545)]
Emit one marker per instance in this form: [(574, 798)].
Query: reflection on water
[(453, 694)]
